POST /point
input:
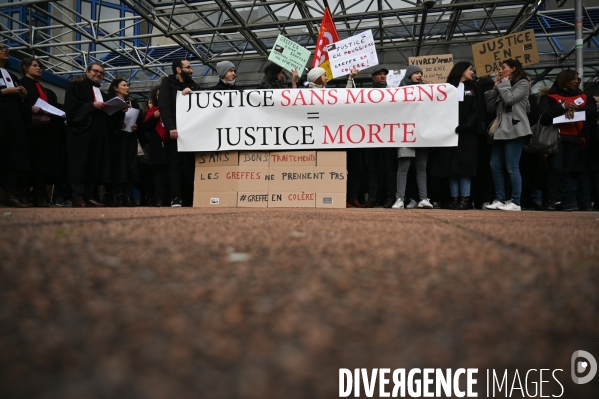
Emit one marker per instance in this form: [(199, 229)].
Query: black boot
[(454, 202), (464, 204)]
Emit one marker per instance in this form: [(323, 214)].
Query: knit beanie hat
[(412, 69), (223, 67), (315, 73)]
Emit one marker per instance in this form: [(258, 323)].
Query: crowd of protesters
[(93, 159)]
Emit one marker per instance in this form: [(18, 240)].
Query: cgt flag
[(327, 35)]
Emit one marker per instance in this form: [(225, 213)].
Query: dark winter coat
[(463, 159), (123, 148), (47, 144), (222, 86), (579, 151), (14, 115), (87, 135), (167, 101), (158, 154)]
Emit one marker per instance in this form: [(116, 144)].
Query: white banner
[(308, 119), (354, 52)]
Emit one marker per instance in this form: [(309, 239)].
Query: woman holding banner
[(460, 163), (509, 99), (405, 155)]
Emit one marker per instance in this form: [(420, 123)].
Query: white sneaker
[(398, 204), (509, 206), (425, 204), (494, 206), (413, 204)]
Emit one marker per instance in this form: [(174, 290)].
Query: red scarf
[(572, 128), (159, 126), (41, 91)]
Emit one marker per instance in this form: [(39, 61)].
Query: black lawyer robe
[(123, 148), (14, 114), (463, 159), (46, 144), (87, 135)]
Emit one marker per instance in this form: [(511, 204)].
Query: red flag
[(327, 35)]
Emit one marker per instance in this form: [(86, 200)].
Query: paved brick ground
[(187, 303)]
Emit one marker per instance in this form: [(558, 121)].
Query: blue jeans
[(507, 153), (459, 185)]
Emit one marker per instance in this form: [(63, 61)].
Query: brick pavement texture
[(240, 303)]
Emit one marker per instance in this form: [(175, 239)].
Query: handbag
[(544, 139), (493, 126), (40, 121)]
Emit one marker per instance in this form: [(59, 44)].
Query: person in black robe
[(124, 168), (45, 137), (181, 165), (460, 163), (88, 127), (15, 113)]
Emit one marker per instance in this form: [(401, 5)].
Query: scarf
[(228, 82), (41, 91), (159, 126)]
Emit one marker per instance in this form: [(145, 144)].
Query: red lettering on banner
[(392, 95), (407, 132), (301, 196), (354, 99), (333, 95), (283, 94), (361, 130), (243, 176), (300, 94), (439, 89), (424, 89), (380, 92), (406, 94), (391, 125), (313, 94), (327, 133), (374, 134)]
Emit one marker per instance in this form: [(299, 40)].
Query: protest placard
[(307, 119), (395, 77), (289, 55), (354, 52), (435, 68), (489, 55)]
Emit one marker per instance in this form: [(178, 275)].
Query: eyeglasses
[(187, 67), (97, 71), (4, 48)]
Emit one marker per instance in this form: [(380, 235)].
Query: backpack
[(544, 139)]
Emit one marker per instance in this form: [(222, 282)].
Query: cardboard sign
[(394, 77), (289, 55), (489, 55), (309, 119), (354, 52), (435, 68)]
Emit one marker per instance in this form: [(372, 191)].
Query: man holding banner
[(388, 156)]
